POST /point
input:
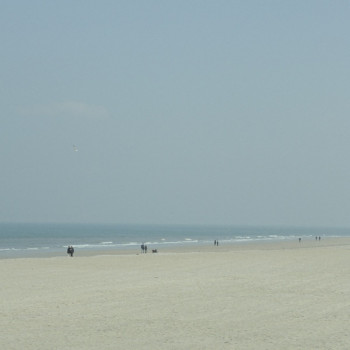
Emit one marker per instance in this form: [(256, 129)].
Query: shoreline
[(192, 248)]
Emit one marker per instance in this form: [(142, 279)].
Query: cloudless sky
[(183, 112)]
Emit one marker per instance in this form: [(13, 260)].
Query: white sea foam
[(32, 238)]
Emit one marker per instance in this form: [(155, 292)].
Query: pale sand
[(262, 296)]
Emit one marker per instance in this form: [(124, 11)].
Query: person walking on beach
[(145, 249), (142, 248), (70, 250)]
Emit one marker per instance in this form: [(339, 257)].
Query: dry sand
[(250, 296)]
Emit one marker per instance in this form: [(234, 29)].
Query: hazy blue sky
[(187, 112)]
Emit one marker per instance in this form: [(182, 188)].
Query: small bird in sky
[(75, 148)]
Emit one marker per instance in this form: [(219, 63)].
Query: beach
[(267, 295)]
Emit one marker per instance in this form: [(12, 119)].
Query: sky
[(182, 112)]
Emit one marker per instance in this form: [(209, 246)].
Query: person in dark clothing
[(70, 250)]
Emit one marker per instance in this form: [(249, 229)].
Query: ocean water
[(27, 240)]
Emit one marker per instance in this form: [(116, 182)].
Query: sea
[(18, 240)]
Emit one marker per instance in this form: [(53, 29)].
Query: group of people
[(143, 248), (216, 242), (70, 250)]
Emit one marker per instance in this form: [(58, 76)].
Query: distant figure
[(299, 240), (316, 238), (70, 251), (319, 238), (142, 248), (215, 242), (145, 249)]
